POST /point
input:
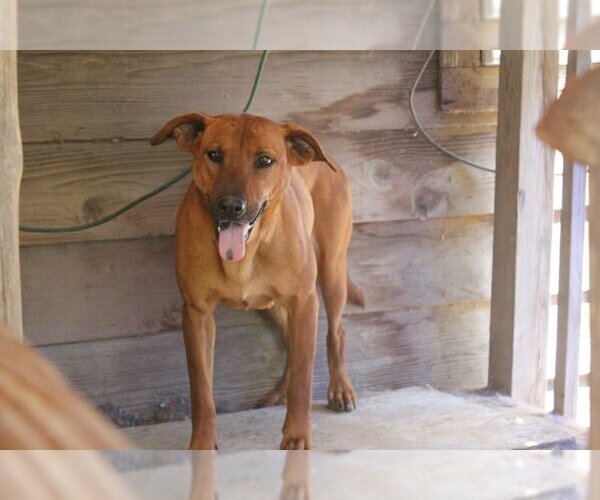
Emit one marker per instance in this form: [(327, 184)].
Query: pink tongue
[(232, 242)]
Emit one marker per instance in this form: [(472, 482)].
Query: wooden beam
[(522, 227), (11, 167), (573, 215)]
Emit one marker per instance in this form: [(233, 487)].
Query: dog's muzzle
[(233, 234), (222, 225)]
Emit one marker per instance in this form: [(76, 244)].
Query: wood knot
[(425, 202), (92, 208)]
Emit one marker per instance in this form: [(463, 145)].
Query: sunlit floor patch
[(248, 475), (405, 419)]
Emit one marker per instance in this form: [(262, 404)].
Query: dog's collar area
[(222, 225)]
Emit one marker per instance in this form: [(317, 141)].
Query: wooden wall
[(226, 25), (104, 304)]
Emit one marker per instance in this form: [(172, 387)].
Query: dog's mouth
[(232, 236)]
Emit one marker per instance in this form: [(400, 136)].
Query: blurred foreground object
[(587, 38), (204, 475), (572, 125), (40, 410), (59, 475)]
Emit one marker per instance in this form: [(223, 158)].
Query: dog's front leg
[(204, 476), (302, 319), (297, 483), (199, 334)]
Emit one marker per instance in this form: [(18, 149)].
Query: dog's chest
[(243, 288)]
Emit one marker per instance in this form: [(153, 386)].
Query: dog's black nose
[(231, 207)]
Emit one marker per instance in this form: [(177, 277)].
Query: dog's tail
[(355, 294)]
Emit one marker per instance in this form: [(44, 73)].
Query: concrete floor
[(422, 475), (408, 419)]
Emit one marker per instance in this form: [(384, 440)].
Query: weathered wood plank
[(224, 25), (393, 174), (116, 95), (8, 25), (11, 168), (573, 217), (459, 58), (146, 378), (469, 90), (570, 293), (100, 290), (522, 228)]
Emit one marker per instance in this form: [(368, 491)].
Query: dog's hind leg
[(334, 285), (278, 396)]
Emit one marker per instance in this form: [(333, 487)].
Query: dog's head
[(241, 163)]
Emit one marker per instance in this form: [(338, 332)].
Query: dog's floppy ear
[(184, 129), (303, 147)]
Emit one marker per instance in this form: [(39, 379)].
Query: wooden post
[(566, 382), (572, 126), (530, 24), (522, 227), (11, 166), (595, 306), (594, 485)]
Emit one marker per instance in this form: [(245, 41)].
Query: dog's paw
[(294, 443), (295, 491), (296, 437), (276, 397), (341, 396), (201, 444)]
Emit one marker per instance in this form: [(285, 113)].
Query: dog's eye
[(215, 156), (264, 161)]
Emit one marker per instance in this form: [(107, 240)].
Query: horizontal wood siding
[(130, 95), (219, 25), (146, 379), (469, 89), (93, 156), (99, 290), (394, 176), (104, 304)]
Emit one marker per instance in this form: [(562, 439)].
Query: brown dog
[(252, 232)]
